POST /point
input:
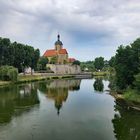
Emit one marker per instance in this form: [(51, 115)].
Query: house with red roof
[(58, 55)]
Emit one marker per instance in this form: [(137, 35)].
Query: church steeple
[(58, 36), (58, 43)]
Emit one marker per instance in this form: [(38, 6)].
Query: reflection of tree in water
[(57, 90), (27, 97), (126, 124), (98, 84), (15, 100)]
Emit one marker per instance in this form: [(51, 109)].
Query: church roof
[(63, 51), (50, 53), (53, 52)]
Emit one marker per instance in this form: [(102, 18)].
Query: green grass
[(100, 73), (32, 78), (132, 95), (3, 83)]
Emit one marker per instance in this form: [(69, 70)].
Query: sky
[(88, 28)]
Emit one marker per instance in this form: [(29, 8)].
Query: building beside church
[(58, 55)]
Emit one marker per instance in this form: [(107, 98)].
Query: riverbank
[(33, 78), (100, 73), (128, 100), (2, 83)]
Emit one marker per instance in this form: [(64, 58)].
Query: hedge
[(8, 73)]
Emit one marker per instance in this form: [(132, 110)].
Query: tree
[(137, 81), (43, 61), (76, 62), (4, 51), (18, 55), (99, 63), (136, 48), (88, 65), (112, 61), (126, 66), (34, 59)]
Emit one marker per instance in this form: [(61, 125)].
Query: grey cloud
[(93, 22)]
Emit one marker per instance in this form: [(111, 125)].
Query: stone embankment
[(64, 69)]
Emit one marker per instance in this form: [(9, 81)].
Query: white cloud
[(95, 25)]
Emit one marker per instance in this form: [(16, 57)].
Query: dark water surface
[(65, 110)]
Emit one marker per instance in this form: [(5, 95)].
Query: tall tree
[(126, 66), (112, 61), (99, 63), (18, 55), (43, 61)]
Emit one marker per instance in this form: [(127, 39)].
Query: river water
[(65, 110)]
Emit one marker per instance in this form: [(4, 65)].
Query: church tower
[(58, 44)]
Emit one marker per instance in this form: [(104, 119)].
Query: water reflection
[(16, 99), (98, 84), (126, 123), (85, 116), (57, 90)]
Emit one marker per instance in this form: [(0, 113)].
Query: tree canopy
[(43, 61), (18, 55), (127, 62), (99, 63)]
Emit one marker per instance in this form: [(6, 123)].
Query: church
[(58, 55)]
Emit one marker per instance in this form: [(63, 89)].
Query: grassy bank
[(32, 78), (130, 99), (101, 73), (132, 95), (2, 83)]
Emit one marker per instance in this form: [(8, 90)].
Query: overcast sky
[(88, 28)]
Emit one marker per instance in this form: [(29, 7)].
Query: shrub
[(76, 62), (8, 73)]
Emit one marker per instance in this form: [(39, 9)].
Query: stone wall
[(64, 69)]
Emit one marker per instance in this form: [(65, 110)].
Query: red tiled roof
[(50, 53), (63, 51), (71, 60)]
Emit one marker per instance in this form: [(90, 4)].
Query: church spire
[(58, 42), (58, 36)]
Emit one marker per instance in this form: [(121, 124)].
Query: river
[(65, 110)]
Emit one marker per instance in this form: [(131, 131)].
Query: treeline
[(18, 55), (98, 64), (127, 66)]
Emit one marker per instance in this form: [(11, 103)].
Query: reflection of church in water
[(58, 91)]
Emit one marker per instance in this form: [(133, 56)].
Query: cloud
[(95, 27)]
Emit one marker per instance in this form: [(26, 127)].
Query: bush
[(76, 62), (8, 73)]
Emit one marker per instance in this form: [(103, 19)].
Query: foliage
[(112, 61), (99, 63), (76, 62), (8, 73), (18, 55), (126, 65), (88, 66), (137, 81), (100, 73), (98, 84), (53, 60), (132, 95), (43, 61)]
